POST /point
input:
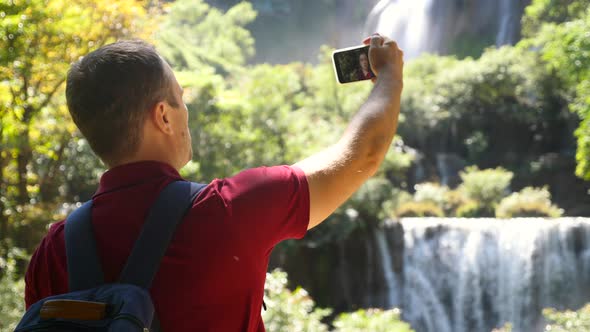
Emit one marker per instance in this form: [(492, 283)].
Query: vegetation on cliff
[(515, 107)]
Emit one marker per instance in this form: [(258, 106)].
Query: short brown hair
[(109, 92)]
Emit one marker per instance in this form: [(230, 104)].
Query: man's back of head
[(110, 93)]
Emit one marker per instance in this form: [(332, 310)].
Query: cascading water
[(392, 298), (451, 274), (471, 275), (509, 22), (407, 20), (434, 26)]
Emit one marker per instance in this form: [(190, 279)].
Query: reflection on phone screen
[(352, 64)]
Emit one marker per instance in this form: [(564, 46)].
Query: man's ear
[(160, 116)]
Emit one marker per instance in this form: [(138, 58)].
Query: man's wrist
[(393, 81)]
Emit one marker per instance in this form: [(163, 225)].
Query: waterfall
[(457, 275), (472, 275), (390, 279), (434, 26), (509, 22), (405, 21)]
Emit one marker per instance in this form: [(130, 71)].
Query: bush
[(290, 311), (369, 201), (567, 320), (12, 290), (453, 200), (419, 209), (430, 192), (472, 209), (529, 202), (374, 320), (486, 187)]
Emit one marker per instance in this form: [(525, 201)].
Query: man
[(126, 101)]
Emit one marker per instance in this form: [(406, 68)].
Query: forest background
[(513, 122)]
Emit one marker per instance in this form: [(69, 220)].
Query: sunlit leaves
[(194, 34), (540, 12), (565, 48), (290, 310), (39, 39)]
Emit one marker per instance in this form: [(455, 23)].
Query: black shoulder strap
[(84, 268), (167, 212)]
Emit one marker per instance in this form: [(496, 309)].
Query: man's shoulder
[(52, 243), (272, 173), (255, 181), (55, 235)]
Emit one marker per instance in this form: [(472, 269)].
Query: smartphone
[(352, 64)]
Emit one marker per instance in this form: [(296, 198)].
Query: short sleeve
[(269, 203), (46, 273), (30, 289)]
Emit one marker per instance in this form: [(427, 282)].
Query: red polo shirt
[(212, 277)]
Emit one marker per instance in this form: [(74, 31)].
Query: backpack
[(126, 305)]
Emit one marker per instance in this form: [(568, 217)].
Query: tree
[(38, 41), (565, 49), (194, 35), (541, 12)]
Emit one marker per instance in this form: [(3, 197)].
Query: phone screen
[(352, 64)]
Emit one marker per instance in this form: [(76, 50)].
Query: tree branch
[(49, 96)]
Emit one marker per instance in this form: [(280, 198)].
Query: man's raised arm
[(336, 173)]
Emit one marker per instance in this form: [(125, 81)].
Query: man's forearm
[(373, 127), (334, 174)]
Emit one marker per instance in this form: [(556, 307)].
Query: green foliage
[(455, 199), (419, 209), (374, 320), (471, 209), (294, 311), (541, 12), (194, 34), (568, 320), (529, 202), (372, 203), (430, 192), (12, 290), (486, 187), (558, 31), (371, 199), (566, 50), (290, 310), (38, 41), (397, 160), (461, 105)]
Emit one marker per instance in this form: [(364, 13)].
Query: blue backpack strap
[(84, 267), (158, 229)]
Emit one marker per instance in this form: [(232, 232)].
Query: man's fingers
[(387, 40), (390, 42), (376, 40), (380, 40)]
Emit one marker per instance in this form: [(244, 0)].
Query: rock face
[(453, 275), (435, 26)]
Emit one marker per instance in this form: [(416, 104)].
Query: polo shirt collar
[(128, 175)]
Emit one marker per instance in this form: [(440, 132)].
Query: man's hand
[(336, 173), (385, 57)]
